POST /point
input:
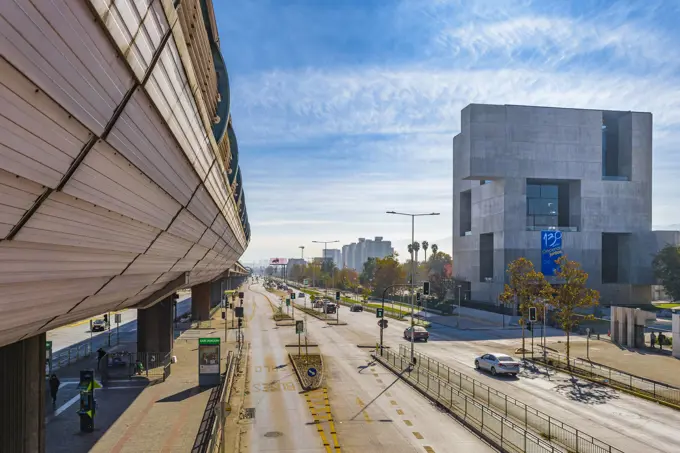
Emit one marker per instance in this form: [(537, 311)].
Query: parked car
[(98, 325), (418, 332), (497, 363), (356, 307)]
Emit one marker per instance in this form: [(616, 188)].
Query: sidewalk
[(161, 417)]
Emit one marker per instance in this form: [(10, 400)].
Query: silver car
[(497, 363)]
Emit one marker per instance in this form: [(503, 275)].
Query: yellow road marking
[(418, 435), (400, 412), (379, 381), (388, 393), (319, 407), (375, 374), (393, 403), (408, 422), (429, 449)]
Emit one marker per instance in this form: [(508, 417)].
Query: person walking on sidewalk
[(54, 388), (653, 339)]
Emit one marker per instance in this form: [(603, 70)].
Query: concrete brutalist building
[(518, 170)]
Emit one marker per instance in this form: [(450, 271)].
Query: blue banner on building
[(551, 251)]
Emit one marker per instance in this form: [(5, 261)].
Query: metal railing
[(492, 425), (613, 377), (70, 355), (221, 409), (531, 418)]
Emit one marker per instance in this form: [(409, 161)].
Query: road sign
[(379, 313), (292, 296), (305, 282), (382, 323), (117, 317), (311, 372), (287, 302), (240, 295), (299, 327)]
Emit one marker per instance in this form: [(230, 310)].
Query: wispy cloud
[(337, 124)]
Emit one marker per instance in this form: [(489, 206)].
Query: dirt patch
[(303, 364)]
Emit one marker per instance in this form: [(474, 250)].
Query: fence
[(531, 418), (613, 377), (221, 407), (71, 355), (132, 365), (496, 428)]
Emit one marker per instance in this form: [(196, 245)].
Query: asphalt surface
[(79, 334), (371, 409), (628, 423)]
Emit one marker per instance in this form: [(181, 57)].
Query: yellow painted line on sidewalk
[(429, 449), (393, 403), (418, 435), (408, 423), (319, 407), (400, 412), (366, 416)]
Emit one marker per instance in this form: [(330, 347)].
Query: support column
[(22, 393), (200, 302), (155, 327)]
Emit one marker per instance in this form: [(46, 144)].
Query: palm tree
[(410, 249), (435, 247), (416, 247), (425, 245)]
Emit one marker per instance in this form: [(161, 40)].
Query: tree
[(435, 247), (388, 272), (438, 271), (525, 288), (366, 277), (571, 296), (416, 247), (666, 266), (410, 250), (270, 270), (425, 245)]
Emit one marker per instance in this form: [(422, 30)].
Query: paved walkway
[(159, 418)]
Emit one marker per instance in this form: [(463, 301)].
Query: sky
[(345, 109)]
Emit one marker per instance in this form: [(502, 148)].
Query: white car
[(497, 363)]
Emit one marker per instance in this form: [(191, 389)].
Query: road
[(628, 423), (372, 410), (79, 332)]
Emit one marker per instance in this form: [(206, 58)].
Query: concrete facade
[(676, 335), (504, 151), (335, 255), (155, 327)]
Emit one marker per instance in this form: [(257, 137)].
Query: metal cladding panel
[(197, 252), (67, 54), (20, 306), (147, 292), (184, 265), (187, 226), (64, 220), (203, 206), (38, 140), (167, 277), (26, 262), (147, 264), (170, 245), (209, 239), (107, 179), (17, 195), (143, 139), (137, 28), (104, 300), (219, 246), (16, 333), (217, 186), (169, 88)]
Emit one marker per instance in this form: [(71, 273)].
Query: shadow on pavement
[(586, 392), (184, 394)]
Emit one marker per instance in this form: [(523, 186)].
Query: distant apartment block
[(357, 253), (335, 255), (519, 170)]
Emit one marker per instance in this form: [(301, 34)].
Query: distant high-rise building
[(334, 255), (357, 253)]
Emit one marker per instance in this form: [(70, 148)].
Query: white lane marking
[(65, 406)]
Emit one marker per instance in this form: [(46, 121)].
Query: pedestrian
[(662, 337), (653, 339), (54, 388)]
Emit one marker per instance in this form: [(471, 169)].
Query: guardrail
[(612, 377), (70, 355), (497, 429), (532, 418), (221, 409)]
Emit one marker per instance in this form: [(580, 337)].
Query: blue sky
[(346, 109)]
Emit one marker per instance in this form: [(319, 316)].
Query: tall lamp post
[(413, 270), (325, 244)]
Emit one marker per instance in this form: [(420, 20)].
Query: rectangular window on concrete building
[(465, 214), (485, 256), (549, 205), (616, 147), (616, 258)]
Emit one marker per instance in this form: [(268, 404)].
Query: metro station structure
[(119, 179)]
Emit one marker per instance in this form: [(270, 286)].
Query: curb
[(307, 388)]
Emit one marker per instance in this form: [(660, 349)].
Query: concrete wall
[(509, 144), (676, 335)]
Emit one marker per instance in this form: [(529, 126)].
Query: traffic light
[(532, 313), (240, 322), (240, 295), (378, 312), (106, 318), (337, 295), (426, 288)]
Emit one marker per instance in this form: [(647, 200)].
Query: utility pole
[(413, 273)]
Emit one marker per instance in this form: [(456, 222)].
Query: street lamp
[(413, 269), (325, 244)]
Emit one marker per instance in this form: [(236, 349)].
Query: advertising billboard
[(278, 261), (551, 251)]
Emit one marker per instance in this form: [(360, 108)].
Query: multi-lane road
[(623, 421)]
